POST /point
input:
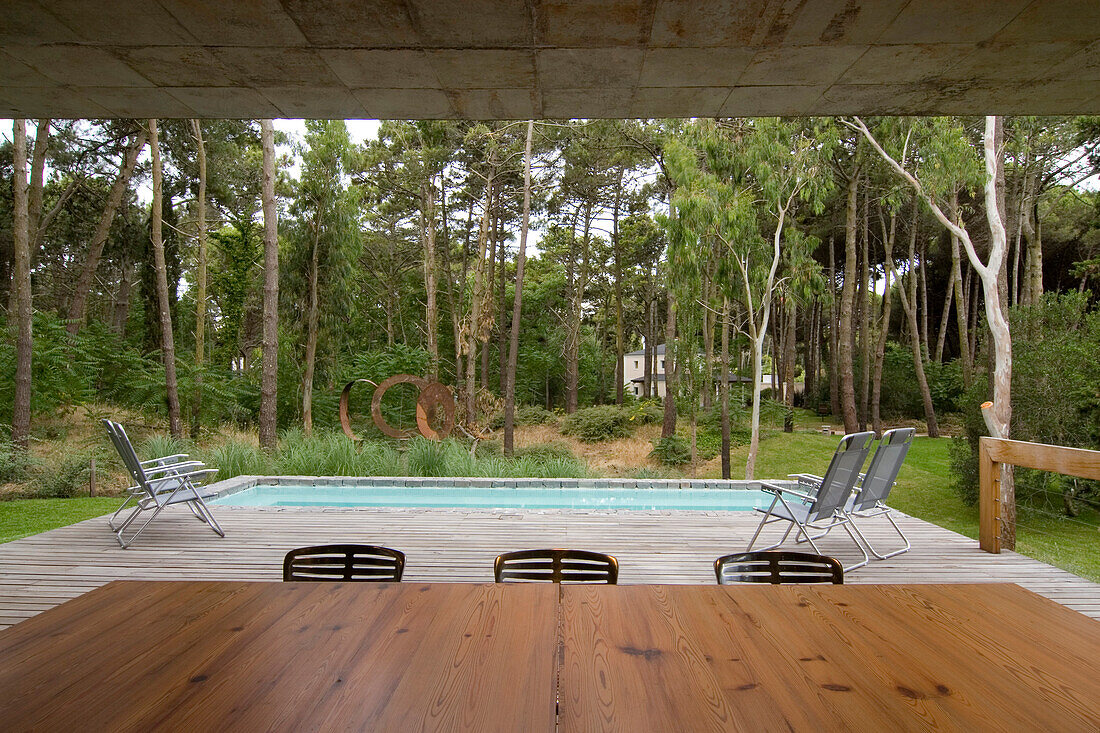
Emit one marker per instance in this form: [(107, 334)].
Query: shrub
[(159, 446), (671, 451), (525, 415), (65, 479), (594, 424), (545, 451), (14, 462)]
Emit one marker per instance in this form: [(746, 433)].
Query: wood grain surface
[(201, 656), (886, 657)]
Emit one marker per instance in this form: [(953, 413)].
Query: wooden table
[(855, 657), (402, 657), (285, 656)]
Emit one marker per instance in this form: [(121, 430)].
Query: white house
[(634, 372)]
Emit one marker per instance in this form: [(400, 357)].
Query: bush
[(671, 451), (65, 479), (595, 424), (14, 463), (525, 415), (239, 459), (546, 451)]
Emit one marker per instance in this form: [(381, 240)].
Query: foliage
[(14, 463), (595, 424), (671, 451), (544, 451), (65, 478)]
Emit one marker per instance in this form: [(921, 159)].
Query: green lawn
[(25, 517)]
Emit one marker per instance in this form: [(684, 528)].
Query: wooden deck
[(42, 571)]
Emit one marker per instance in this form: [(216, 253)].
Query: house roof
[(660, 351)]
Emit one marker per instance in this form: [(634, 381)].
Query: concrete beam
[(482, 59)]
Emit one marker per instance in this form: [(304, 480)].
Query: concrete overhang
[(500, 59)]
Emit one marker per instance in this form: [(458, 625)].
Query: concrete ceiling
[(494, 59)]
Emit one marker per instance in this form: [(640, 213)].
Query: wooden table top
[(863, 657), (201, 656)]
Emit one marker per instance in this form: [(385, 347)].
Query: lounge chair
[(875, 485), (821, 510), (160, 482), (778, 568)]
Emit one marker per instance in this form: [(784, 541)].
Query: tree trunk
[(945, 320), (21, 290), (961, 309), (431, 313), (888, 236), (847, 298), (993, 277), (38, 180), (865, 336), (620, 337), (269, 379), (313, 316), (79, 301), (834, 374), (200, 281), (487, 314), (121, 313), (909, 305), (168, 344), (725, 388), (476, 304), (1035, 257), (517, 302), (576, 312), (668, 426), (790, 340)]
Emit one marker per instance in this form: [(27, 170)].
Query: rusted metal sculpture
[(433, 399)]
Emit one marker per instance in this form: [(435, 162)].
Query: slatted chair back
[(556, 566), (842, 474), (885, 465), (339, 563), (778, 568)]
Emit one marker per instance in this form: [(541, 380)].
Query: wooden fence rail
[(992, 452)]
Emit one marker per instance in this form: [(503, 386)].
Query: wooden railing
[(992, 452)]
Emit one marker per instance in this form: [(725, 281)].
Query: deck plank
[(42, 571)]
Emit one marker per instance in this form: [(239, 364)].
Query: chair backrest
[(843, 472), (885, 464), (556, 566), (126, 452), (778, 568), (338, 563)]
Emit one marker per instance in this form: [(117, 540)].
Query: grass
[(24, 517)]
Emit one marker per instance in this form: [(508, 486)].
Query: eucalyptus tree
[(168, 344), (949, 152), (732, 168), (269, 377), (21, 289), (324, 243)]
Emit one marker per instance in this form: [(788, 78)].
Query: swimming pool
[(498, 497)]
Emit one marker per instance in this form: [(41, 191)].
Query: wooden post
[(989, 499)]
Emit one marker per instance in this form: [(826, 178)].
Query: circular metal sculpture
[(433, 404), (434, 399), (345, 420)]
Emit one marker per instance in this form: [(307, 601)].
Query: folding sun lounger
[(822, 510), (875, 485), (160, 482)]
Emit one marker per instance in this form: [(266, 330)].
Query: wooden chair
[(337, 563), (778, 568), (556, 566)]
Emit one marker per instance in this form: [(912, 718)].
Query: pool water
[(499, 497)]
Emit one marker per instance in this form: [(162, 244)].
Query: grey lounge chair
[(875, 485), (823, 509), (160, 482)]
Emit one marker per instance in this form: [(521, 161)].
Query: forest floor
[(924, 488)]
